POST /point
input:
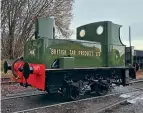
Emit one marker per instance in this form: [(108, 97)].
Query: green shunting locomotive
[(91, 63)]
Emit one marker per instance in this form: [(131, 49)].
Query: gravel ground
[(5, 79), (16, 104), (21, 104), (136, 107), (79, 107), (137, 85), (44, 100), (7, 89), (127, 88), (86, 106), (14, 89)]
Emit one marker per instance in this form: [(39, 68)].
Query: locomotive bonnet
[(95, 59), (93, 48)]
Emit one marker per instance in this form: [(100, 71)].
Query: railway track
[(5, 79), (8, 83), (19, 95), (48, 101), (43, 101), (136, 81), (117, 104), (112, 97)]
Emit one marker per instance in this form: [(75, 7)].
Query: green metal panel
[(108, 34), (98, 45), (45, 27), (66, 62), (116, 56), (91, 32), (116, 49), (33, 51), (97, 31), (86, 54)]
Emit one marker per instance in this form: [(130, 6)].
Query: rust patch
[(139, 74)]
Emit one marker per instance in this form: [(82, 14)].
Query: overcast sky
[(123, 12)]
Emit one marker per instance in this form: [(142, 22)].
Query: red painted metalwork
[(36, 79), (21, 78)]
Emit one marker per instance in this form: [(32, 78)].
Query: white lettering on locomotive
[(74, 52), (32, 52), (58, 52)]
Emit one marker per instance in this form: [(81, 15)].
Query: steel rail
[(112, 106), (8, 82), (28, 95), (70, 102), (136, 81), (25, 95)]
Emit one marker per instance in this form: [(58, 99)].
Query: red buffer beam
[(27, 73)]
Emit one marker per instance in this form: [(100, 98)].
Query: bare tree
[(18, 17)]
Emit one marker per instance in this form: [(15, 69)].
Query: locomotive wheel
[(72, 93), (100, 90)]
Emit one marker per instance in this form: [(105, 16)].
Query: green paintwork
[(112, 47), (44, 27), (105, 49), (66, 62), (44, 47)]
